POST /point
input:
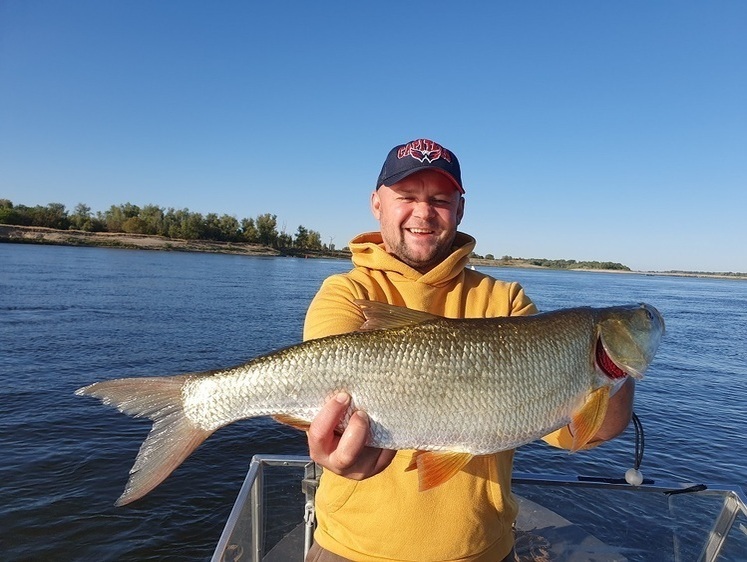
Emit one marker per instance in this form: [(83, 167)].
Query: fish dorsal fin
[(436, 467), (586, 421), (381, 316)]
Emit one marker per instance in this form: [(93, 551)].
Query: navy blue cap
[(417, 155)]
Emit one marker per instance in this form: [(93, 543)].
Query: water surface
[(71, 316)]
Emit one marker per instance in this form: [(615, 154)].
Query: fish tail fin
[(172, 438)]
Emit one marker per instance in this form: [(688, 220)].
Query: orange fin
[(292, 421), (381, 316), (586, 421), (436, 467), (172, 438), (414, 461)]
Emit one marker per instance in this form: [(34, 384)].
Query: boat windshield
[(560, 518)]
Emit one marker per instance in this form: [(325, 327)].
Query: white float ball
[(634, 477)]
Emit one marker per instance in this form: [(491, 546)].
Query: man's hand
[(346, 454)]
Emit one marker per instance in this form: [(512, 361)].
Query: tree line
[(171, 223), (573, 264), (556, 264)]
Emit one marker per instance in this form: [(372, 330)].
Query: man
[(368, 506)]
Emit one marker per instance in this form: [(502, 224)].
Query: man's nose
[(424, 209)]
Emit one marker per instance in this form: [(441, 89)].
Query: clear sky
[(587, 130)]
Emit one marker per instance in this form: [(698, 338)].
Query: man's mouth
[(419, 230)]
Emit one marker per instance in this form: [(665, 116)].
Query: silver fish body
[(469, 386)]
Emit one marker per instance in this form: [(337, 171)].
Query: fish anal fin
[(436, 467), (381, 316), (293, 421), (586, 421), (414, 461)]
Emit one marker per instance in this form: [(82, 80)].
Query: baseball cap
[(417, 155)]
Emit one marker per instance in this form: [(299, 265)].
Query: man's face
[(419, 217)]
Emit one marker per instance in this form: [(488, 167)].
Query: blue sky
[(587, 130)]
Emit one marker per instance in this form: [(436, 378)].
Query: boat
[(570, 517)]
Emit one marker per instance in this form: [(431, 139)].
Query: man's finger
[(352, 441), (322, 430)]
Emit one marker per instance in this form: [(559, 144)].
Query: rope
[(639, 442)]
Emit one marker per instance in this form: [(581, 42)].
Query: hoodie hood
[(368, 252)]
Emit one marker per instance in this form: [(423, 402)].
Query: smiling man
[(418, 217), (368, 505), (418, 203)]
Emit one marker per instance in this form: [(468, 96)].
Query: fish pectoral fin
[(586, 421), (436, 467), (292, 421), (381, 316)]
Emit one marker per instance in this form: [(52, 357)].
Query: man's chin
[(421, 261)]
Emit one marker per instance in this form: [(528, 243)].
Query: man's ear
[(460, 210), (376, 205)]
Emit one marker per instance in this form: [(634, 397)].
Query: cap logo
[(424, 150)]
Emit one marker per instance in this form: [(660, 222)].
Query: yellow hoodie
[(385, 517)]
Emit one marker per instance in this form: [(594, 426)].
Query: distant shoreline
[(122, 240), (50, 236), (525, 264)]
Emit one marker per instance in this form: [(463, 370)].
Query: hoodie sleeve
[(333, 310), (521, 304)]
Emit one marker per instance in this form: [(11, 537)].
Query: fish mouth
[(607, 365)]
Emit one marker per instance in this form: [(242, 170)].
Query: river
[(71, 316)]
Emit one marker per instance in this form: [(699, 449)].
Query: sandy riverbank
[(39, 235)]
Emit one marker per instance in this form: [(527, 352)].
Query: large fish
[(447, 388)]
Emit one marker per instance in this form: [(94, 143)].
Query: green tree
[(302, 236), (229, 228), (81, 217), (170, 225), (115, 217), (81, 214), (284, 240), (267, 232), (11, 215), (249, 231), (211, 227), (54, 215), (193, 226), (314, 240), (134, 225), (153, 217)]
